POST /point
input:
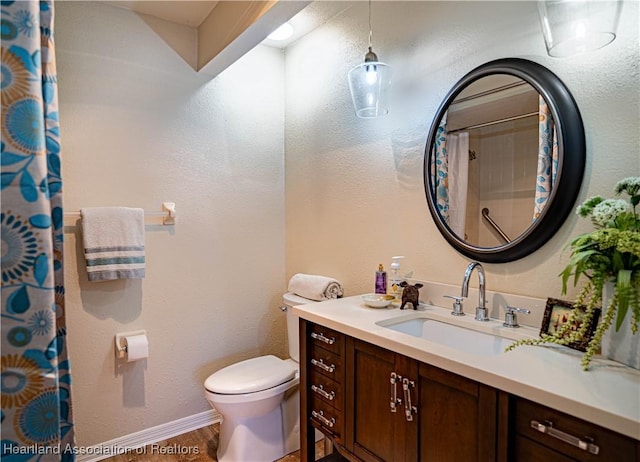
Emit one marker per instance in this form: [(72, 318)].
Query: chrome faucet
[(481, 309)]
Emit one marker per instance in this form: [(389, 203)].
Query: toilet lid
[(249, 376)]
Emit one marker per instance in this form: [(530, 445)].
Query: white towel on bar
[(315, 287), (113, 240)]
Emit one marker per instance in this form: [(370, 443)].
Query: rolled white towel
[(315, 287)]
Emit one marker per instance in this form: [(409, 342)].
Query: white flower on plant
[(606, 212), (629, 185)]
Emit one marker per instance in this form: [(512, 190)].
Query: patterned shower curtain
[(547, 158), (36, 401), (440, 170)]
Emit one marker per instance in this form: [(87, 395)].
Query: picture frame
[(556, 314)]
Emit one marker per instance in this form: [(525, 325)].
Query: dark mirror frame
[(571, 160)]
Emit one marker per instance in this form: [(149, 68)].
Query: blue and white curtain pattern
[(36, 398), (440, 170), (547, 158)]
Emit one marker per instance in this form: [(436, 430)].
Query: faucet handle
[(457, 305), (510, 317)]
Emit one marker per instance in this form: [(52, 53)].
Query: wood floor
[(196, 446)]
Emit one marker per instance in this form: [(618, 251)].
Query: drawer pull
[(320, 363), (409, 409), (321, 391), (320, 336), (319, 415), (585, 444), (395, 401)]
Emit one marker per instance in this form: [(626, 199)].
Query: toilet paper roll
[(137, 347)]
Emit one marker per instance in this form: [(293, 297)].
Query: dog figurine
[(410, 294)]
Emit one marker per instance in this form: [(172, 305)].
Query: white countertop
[(607, 395)]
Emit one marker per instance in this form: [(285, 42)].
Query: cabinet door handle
[(395, 402), (320, 363), (321, 391), (319, 415), (320, 336), (586, 444), (409, 410)]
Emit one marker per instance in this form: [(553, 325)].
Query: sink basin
[(450, 335)]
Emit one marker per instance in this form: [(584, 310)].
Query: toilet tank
[(293, 323)]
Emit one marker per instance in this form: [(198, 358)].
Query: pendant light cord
[(370, 30), (370, 56)]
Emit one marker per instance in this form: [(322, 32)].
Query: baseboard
[(129, 443)]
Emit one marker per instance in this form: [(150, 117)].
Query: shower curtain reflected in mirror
[(458, 161), (547, 158), (450, 174), (440, 170), (37, 420)]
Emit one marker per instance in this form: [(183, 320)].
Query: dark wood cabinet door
[(373, 431), (457, 418), (371, 426)]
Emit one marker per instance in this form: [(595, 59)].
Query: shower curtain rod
[(494, 122), (489, 92)]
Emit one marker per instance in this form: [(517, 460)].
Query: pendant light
[(572, 27), (369, 83)]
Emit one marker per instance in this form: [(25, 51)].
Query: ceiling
[(188, 12), (192, 13), (225, 30)]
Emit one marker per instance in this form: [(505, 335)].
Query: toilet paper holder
[(121, 346)]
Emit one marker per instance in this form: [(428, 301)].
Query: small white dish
[(377, 300)]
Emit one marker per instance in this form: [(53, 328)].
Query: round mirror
[(504, 160)]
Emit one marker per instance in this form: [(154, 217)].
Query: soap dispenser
[(395, 279)]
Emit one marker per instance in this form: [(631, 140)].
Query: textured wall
[(140, 127), (354, 192)]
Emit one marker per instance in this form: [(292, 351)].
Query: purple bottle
[(381, 280)]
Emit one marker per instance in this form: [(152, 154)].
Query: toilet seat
[(250, 376)]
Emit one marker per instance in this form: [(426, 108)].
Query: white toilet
[(259, 401)]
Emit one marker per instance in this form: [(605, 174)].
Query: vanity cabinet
[(388, 407), (377, 405)]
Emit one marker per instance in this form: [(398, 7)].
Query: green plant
[(610, 253)]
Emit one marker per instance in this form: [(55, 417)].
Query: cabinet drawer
[(326, 389), (326, 363), (526, 450), (326, 338), (326, 417), (611, 446)]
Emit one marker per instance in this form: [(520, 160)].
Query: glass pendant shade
[(572, 27), (369, 83)]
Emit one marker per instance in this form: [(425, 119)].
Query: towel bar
[(168, 214)]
